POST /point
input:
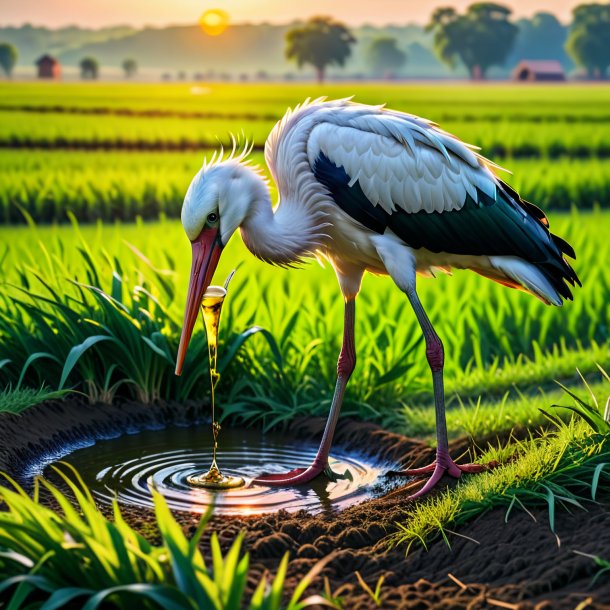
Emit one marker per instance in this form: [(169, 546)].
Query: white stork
[(372, 189)]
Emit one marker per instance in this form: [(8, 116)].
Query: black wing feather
[(504, 226)]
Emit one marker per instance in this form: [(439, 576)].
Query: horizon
[(99, 14)]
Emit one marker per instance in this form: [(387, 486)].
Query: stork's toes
[(443, 465)]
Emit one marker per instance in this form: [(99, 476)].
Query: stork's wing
[(390, 171)]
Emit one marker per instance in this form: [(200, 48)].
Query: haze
[(99, 13)]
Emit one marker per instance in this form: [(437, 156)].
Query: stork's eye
[(212, 218)]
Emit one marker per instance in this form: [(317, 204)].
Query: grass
[(497, 139), (125, 185), (52, 559), (16, 400), (568, 103), (558, 469), (563, 467), (106, 321)]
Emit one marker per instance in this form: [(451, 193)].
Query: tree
[(384, 57), (482, 37), (130, 67), (89, 68), (589, 40), (321, 42), (8, 57), (541, 37)]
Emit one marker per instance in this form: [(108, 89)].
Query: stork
[(372, 189)]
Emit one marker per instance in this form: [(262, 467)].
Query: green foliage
[(561, 469), (76, 555), (19, 399), (501, 337), (602, 565), (589, 40), (374, 595), (130, 67), (596, 415), (124, 186), (321, 42), (89, 68), (482, 37), (121, 341), (8, 57), (384, 57)]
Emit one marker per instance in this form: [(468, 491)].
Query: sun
[(214, 21)]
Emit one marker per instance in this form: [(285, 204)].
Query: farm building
[(48, 67), (541, 71)]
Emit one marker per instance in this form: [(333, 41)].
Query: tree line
[(479, 38)]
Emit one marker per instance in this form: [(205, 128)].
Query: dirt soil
[(520, 564)]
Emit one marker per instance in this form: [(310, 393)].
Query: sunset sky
[(97, 13)]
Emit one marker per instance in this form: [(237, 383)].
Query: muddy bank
[(491, 564)]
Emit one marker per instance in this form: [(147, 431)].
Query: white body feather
[(399, 160)]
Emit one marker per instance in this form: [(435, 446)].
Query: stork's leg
[(345, 367), (444, 463)]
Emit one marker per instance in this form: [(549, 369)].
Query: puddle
[(128, 467)]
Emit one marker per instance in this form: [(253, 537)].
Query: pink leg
[(345, 367), (443, 464)]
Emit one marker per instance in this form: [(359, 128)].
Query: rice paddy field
[(95, 266)]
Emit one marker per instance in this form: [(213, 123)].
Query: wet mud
[(518, 564)]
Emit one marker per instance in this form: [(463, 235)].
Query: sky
[(98, 13)]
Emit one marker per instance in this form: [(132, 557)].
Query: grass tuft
[(78, 556)]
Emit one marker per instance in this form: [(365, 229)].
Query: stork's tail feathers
[(548, 279)]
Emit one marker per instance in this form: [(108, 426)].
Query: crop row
[(485, 115), (436, 101), (124, 186), (496, 139)]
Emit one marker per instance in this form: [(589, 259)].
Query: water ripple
[(128, 468)]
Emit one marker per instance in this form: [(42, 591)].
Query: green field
[(487, 342), (95, 266), (121, 151)]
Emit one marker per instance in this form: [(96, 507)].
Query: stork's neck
[(286, 235)]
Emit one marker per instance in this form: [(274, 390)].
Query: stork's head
[(216, 204)]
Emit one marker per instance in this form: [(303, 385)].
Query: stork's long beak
[(206, 253)]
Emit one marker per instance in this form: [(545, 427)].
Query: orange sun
[(214, 22)]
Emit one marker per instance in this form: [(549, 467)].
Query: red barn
[(539, 71), (48, 67)]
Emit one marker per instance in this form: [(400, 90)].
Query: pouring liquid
[(211, 306)]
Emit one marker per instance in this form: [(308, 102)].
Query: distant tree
[(8, 57), (181, 75), (321, 42), (130, 67), (384, 57), (589, 40), (89, 68), (541, 37), (482, 37)]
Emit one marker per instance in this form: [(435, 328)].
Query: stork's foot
[(300, 476), (443, 465)]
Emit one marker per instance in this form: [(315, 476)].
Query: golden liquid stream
[(211, 306)]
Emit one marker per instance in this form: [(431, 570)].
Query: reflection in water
[(127, 468)]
